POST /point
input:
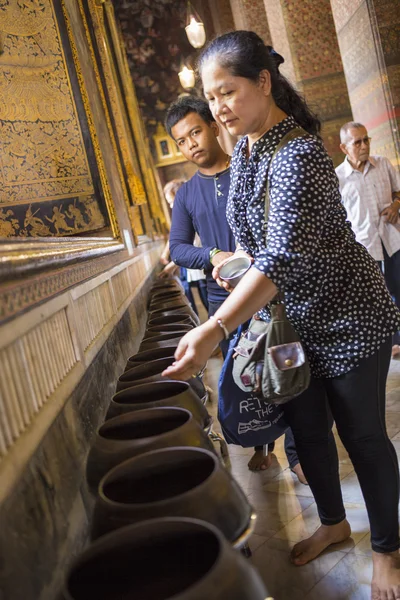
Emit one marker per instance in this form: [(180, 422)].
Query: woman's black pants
[(357, 403)]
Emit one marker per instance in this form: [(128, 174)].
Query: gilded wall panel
[(119, 120), (47, 173), (135, 120), (114, 94)]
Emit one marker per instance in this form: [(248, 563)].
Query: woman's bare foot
[(386, 576), (259, 462), (308, 549), (297, 470)]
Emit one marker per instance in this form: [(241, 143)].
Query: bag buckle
[(240, 351), (245, 379), (287, 356)]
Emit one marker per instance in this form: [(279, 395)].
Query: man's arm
[(181, 238), (394, 176), (392, 212)]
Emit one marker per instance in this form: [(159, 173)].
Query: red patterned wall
[(310, 35), (251, 15), (313, 38)]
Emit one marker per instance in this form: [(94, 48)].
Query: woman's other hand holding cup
[(216, 271)]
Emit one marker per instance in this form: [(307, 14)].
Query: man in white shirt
[(370, 188)]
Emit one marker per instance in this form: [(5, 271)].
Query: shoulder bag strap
[(291, 135)]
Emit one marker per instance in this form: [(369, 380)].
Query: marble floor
[(287, 513)]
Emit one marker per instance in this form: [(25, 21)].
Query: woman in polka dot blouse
[(335, 295)]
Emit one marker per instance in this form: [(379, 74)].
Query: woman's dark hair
[(244, 54), (182, 107)]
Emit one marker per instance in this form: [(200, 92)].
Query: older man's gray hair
[(344, 131)]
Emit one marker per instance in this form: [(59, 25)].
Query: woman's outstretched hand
[(169, 270), (193, 351)]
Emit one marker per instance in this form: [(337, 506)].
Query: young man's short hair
[(182, 107)]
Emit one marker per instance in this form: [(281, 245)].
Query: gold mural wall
[(68, 147)]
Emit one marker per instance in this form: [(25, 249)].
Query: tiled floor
[(287, 513)]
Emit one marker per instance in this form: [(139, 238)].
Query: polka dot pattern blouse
[(334, 292)]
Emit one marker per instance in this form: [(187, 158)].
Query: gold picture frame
[(135, 197), (52, 181), (97, 109), (156, 200), (166, 149)]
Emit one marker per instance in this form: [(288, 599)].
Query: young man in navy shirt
[(200, 207), (200, 204)]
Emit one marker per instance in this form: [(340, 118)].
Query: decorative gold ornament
[(8, 225), (34, 226)]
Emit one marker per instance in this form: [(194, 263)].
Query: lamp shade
[(196, 33), (186, 78)]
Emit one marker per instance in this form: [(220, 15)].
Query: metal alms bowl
[(234, 269)]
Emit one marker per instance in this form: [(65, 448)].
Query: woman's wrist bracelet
[(223, 327)]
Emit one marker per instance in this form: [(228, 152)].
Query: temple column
[(223, 21), (307, 40), (239, 14), (222, 16), (251, 15), (368, 32)]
